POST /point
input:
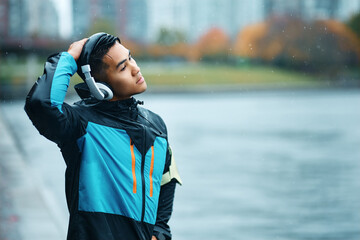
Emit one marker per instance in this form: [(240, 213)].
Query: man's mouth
[(140, 80)]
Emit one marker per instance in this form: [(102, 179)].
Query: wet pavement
[(255, 165), (23, 213)]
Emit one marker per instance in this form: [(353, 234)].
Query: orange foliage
[(293, 42), (214, 42), (346, 38), (135, 48), (248, 38), (178, 49)]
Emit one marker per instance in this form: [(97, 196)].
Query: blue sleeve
[(66, 67), (45, 105)]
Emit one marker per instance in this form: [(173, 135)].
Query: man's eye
[(130, 57), (123, 68)]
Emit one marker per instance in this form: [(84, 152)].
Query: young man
[(120, 177)]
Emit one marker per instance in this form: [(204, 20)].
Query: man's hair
[(96, 58)]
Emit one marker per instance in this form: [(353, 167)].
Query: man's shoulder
[(152, 117)]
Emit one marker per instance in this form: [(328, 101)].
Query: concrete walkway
[(24, 214)]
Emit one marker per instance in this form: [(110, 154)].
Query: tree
[(291, 42), (212, 45), (169, 37), (137, 50), (248, 38), (354, 24)]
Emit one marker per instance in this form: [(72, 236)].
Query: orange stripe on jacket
[(151, 171), (133, 165)]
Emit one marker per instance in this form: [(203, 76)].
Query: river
[(255, 165)]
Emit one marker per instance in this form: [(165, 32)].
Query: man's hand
[(76, 48), (153, 238)]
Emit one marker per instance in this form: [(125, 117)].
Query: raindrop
[(184, 76), (6, 53)]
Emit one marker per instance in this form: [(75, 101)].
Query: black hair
[(96, 57)]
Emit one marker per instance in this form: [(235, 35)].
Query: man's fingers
[(83, 41), (76, 47), (80, 42)]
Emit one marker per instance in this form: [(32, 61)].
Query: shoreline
[(11, 92)]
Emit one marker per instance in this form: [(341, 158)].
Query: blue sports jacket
[(116, 154)]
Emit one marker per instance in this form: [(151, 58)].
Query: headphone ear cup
[(105, 89)]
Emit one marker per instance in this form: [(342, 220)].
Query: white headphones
[(99, 90)]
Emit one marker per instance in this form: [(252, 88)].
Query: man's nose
[(134, 68)]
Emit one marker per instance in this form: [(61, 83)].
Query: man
[(120, 177)]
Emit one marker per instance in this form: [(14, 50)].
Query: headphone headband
[(98, 90), (92, 43)]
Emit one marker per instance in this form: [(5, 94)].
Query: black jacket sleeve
[(45, 102), (165, 206)]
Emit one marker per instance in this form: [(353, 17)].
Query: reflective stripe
[(151, 171), (133, 165), (172, 173)]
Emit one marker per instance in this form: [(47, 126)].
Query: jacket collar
[(120, 105)]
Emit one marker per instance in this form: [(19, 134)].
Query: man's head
[(111, 63)]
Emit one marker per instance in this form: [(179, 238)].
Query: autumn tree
[(138, 50), (170, 37), (354, 24), (212, 45), (292, 42)]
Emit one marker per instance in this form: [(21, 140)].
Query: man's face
[(122, 73)]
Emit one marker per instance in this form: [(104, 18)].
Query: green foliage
[(102, 25), (169, 37), (354, 24)]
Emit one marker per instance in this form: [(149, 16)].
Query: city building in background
[(81, 17), (86, 14), (18, 15), (312, 9), (24, 21), (143, 21), (4, 18), (229, 15), (43, 19)]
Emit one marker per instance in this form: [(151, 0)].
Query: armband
[(173, 172)]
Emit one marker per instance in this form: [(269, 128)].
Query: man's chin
[(143, 87)]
